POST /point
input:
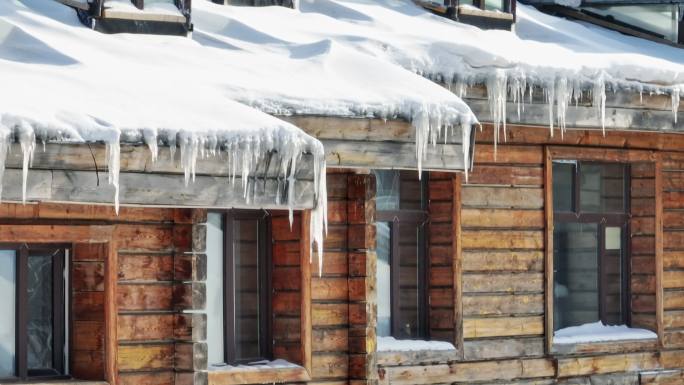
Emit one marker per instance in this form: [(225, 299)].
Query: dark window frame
[(59, 318), (603, 220), (420, 219), (265, 273)]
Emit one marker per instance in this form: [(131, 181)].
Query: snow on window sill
[(599, 338), (392, 352), (263, 372)]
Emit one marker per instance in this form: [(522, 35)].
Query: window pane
[(247, 286), (563, 187), (409, 280), (494, 5), (40, 312), (657, 18), (576, 291), (215, 288), (8, 275), (602, 187), (384, 288), (611, 271), (387, 185)]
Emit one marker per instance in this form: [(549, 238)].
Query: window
[(401, 216), (661, 20), (238, 293), (591, 269), (32, 336)]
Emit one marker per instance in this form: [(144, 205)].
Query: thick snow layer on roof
[(598, 332), (70, 83)]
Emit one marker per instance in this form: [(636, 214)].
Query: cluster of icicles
[(242, 152), (559, 92)]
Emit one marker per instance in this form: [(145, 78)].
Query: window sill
[(262, 374), (619, 346)]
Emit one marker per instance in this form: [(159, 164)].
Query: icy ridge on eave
[(559, 56), (242, 150)]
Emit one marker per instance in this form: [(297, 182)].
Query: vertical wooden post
[(457, 263), (111, 339), (548, 248), (659, 246), (305, 263)]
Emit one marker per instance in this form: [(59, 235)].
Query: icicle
[(466, 128), (550, 94), (599, 100), (113, 150), (27, 140), (421, 124), (150, 138), (496, 95), (189, 148), (674, 93), (4, 149), (563, 100)]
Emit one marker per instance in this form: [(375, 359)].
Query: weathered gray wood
[(391, 155), (603, 379), (503, 348), (630, 99), (149, 189), (586, 117), (362, 129), (137, 158), (392, 358)]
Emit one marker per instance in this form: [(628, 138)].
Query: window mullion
[(22, 313), (395, 275), (229, 290), (58, 311)]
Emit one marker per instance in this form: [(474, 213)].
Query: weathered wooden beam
[(585, 117), (621, 99), (137, 158), (391, 155), (150, 189), (539, 135)]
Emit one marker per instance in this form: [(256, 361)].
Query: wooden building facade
[(137, 293)]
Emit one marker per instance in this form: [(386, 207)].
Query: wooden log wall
[(442, 324), (673, 250), (160, 274), (342, 297), (286, 287), (501, 258), (87, 358), (132, 274), (642, 246), (503, 253)]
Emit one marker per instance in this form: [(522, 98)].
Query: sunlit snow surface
[(598, 332)]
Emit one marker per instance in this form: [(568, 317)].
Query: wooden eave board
[(77, 173), (378, 143)]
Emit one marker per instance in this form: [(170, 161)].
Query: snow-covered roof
[(559, 55)]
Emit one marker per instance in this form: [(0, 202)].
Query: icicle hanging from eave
[(675, 97)]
